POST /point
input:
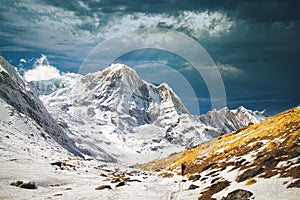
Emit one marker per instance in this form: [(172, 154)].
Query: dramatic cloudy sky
[(254, 44)]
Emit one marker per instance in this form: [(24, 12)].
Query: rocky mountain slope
[(19, 101), (261, 161)]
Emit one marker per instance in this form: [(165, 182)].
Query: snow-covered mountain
[(116, 112), (111, 115), (229, 120), (46, 87)]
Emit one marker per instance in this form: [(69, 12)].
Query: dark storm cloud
[(258, 39), (257, 22), (257, 10), (107, 11), (65, 25), (268, 11)]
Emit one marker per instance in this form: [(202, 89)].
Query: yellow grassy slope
[(276, 136)]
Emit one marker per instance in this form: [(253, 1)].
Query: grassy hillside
[(260, 151)]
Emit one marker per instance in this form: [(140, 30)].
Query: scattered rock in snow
[(133, 173), (58, 184), (134, 180), (294, 184), (25, 185), (194, 177), (29, 185), (192, 187), (213, 189), (58, 163), (17, 183), (102, 187), (239, 194), (166, 175), (63, 165), (249, 174), (214, 180), (116, 180), (104, 175), (120, 184)]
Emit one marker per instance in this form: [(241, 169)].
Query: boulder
[(194, 177), (192, 187), (29, 185), (102, 187), (17, 183), (120, 184), (25, 185), (238, 195)]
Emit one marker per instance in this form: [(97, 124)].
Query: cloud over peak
[(42, 70)]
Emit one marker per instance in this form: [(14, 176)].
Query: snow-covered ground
[(27, 153)]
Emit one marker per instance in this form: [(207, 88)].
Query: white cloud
[(198, 24), (42, 71), (51, 27), (227, 71), (14, 48), (146, 63), (83, 5), (187, 68), (23, 60), (213, 23)]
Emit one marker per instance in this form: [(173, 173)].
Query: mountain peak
[(242, 109), (163, 86), (119, 69)]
